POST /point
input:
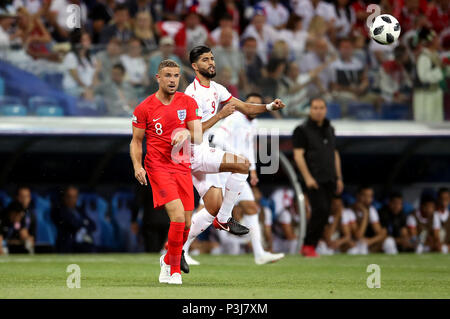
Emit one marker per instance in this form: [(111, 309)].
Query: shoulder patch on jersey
[(134, 119), (197, 112)]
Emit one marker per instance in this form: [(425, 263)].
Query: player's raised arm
[(136, 154), (255, 109)]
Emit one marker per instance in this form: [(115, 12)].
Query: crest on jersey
[(216, 96), (181, 115)]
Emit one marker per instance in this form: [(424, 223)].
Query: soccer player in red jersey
[(169, 122)]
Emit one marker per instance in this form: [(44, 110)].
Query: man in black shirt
[(14, 231), (393, 218), (319, 163)]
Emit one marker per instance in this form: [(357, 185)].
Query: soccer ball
[(385, 29)]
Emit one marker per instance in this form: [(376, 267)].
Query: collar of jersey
[(200, 83)]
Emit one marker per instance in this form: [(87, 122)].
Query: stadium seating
[(45, 106), (12, 106), (395, 111), (46, 230), (90, 108), (54, 80), (97, 209), (121, 214), (4, 199), (362, 111), (333, 111)]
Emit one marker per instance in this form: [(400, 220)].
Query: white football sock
[(252, 222), (292, 246), (200, 221), (233, 188)]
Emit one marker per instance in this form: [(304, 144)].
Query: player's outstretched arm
[(136, 154), (226, 111), (255, 109)]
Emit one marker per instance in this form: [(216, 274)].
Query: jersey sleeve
[(193, 111), (411, 222), (373, 215), (436, 222), (140, 117), (224, 95)]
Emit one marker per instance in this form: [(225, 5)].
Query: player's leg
[(203, 218), (176, 213), (238, 166)]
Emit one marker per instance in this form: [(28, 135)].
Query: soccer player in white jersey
[(206, 161), (236, 134)]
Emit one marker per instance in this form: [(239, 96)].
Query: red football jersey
[(159, 121)]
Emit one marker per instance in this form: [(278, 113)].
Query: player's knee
[(243, 168), (178, 218), (251, 208)]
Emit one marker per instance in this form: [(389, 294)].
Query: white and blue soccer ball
[(385, 29)]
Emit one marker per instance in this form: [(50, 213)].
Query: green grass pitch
[(136, 276)]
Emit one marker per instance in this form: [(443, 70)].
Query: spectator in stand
[(319, 55), (428, 97), (135, 66), (361, 13), (438, 14), (252, 62), (34, 36), (264, 34), (166, 51), (231, 7), (226, 56), (100, 15), (226, 22), (319, 163), (119, 27), (350, 82), (14, 231), (107, 58), (443, 202), (424, 225), (6, 22), (269, 84), (393, 219), (23, 196), (369, 233), (407, 10), (143, 30), (276, 13), (192, 34), (118, 94), (225, 77), (295, 36), (74, 227), (345, 18), (149, 6), (395, 80), (34, 7), (81, 68), (293, 89), (58, 15), (308, 9)]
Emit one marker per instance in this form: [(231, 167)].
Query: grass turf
[(136, 276)]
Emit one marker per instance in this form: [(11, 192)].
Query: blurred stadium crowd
[(292, 49), (70, 221)]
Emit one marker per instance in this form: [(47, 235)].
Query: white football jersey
[(208, 99), (236, 134)]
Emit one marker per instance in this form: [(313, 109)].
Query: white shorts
[(205, 164), (246, 193), (284, 217)]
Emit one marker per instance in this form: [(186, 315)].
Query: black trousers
[(320, 201)]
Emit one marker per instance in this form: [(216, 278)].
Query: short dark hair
[(19, 188), (394, 195), (167, 64), (254, 94), (14, 206), (196, 52), (363, 188), (427, 198), (119, 66), (443, 190), (318, 99), (249, 39), (226, 16), (120, 7), (345, 39)]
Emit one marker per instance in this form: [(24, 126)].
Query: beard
[(206, 73)]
